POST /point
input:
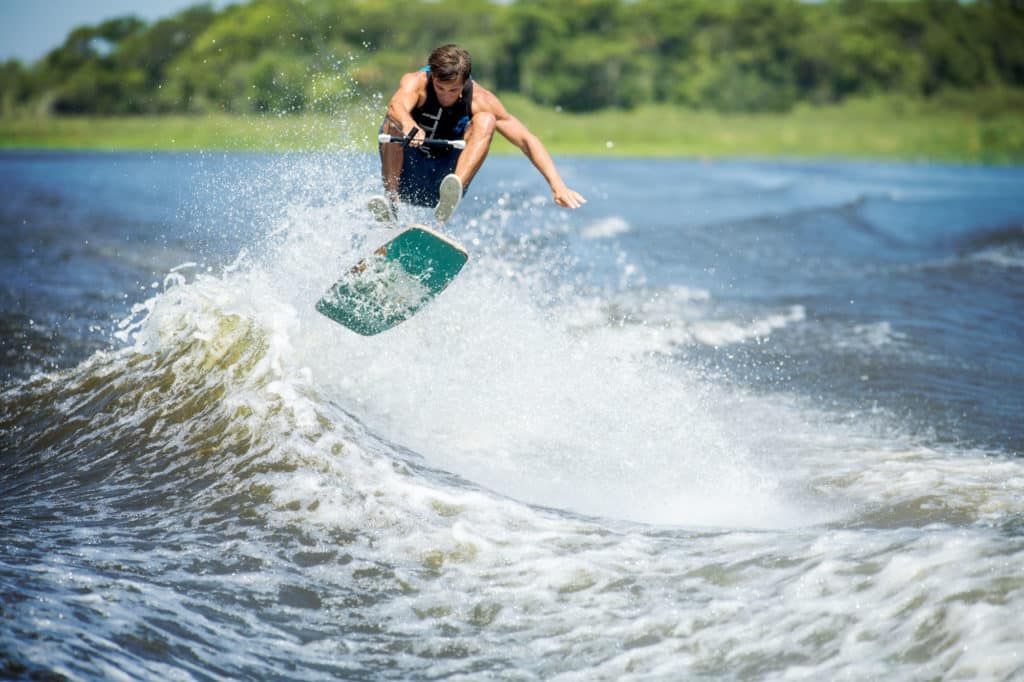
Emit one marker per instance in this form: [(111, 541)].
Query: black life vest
[(444, 123)]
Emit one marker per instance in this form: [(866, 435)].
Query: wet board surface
[(395, 282)]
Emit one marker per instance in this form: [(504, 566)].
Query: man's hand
[(568, 198), (417, 139)]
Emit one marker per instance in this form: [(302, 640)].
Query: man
[(442, 102)]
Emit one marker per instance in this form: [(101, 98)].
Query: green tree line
[(286, 56)]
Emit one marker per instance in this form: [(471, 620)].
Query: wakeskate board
[(395, 282)]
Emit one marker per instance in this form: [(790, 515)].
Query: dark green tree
[(727, 55)]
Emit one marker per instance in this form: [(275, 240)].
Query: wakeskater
[(434, 138), (437, 133)]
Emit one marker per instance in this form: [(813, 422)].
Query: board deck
[(395, 282)]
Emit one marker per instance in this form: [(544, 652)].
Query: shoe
[(382, 210), (450, 195)]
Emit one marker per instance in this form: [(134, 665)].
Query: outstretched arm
[(515, 132)]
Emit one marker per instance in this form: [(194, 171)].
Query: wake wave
[(1003, 247), (233, 375), (522, 380)]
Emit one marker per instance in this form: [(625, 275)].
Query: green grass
[(886, 128), (178, 132)]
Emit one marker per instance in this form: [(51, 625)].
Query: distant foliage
[(289, 56)]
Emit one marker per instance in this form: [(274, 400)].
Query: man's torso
[(444, 123)]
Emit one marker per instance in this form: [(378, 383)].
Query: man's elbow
[(528, 144)]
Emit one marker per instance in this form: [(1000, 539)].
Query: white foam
[(727, 332), (606, 228), (489, 385), (871, 337), (1008, 258), (486, 385)]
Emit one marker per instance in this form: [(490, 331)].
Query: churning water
[(731, 420)]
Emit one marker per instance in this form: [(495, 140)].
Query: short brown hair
[(450, 62)]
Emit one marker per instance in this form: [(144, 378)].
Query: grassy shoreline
[(872, 129)]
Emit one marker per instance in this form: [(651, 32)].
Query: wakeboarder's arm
[(513, 130), (412, 92)]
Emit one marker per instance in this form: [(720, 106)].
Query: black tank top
[(444, 123)]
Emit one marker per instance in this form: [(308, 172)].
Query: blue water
[(907, 274), (744, 419)]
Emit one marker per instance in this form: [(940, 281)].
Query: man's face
[(448, 92)]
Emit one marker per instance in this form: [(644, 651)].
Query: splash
[(496, 383)]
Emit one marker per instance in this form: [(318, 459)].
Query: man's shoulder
[(414, 79), (485, 100)]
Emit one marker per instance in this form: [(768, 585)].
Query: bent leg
[(479, 134), (391, 157)]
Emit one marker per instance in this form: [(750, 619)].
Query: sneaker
[(450, 196), (382, 210)]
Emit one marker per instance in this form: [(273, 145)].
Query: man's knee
[(482, 125), (391, 127)]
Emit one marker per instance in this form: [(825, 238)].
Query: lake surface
[(733, 419)]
